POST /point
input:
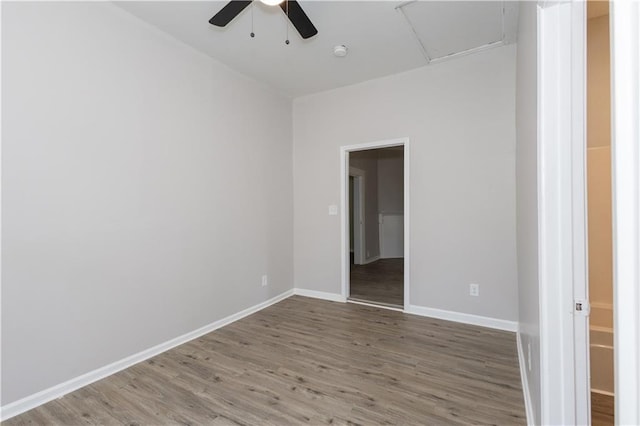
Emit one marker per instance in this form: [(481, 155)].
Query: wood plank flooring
[(381, 281), (307, 361), (602, 410)]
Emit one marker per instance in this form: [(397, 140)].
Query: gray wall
[(146, 188), (390, 180), (527, 197), (460, 118)]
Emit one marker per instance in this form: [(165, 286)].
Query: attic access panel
[(447, 28)]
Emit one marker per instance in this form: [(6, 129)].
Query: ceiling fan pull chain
[(252, 33), (291, 8), (287, 23)]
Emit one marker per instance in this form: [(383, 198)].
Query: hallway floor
[(380, 282)]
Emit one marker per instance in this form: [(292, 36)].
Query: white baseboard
[(374, 305), (334, 297), (525, 382), (371, 260), (42, 397), (488, 322)]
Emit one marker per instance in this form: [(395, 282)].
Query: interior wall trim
[(344, 216), (489, 322), (525, 382), (32, 401), (333, 297)]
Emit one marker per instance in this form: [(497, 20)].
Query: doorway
[(375, 223)]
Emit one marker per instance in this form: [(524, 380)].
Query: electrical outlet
[(474, 289), (265, 281), (529, 355)]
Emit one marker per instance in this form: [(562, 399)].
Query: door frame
[(564, 341), (564, 337), (359, 236), (625, 157), (344, 206)]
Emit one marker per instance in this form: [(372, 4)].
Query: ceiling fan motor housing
[(291, 8)]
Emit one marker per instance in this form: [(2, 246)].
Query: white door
[(357, 215)]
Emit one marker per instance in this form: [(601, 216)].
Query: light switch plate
[(333, 210), (474, 289)]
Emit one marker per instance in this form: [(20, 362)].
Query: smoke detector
[(340, 51)]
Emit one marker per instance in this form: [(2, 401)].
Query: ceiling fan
[(291, 8)]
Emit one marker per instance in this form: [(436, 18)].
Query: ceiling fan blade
[(228, 12), (298, 18)]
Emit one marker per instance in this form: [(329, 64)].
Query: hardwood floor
[(602, 409), (381, 281), (316, 362)]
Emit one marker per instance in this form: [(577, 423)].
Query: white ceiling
[(383, 37)]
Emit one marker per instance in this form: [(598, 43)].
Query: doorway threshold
[(389, 306)]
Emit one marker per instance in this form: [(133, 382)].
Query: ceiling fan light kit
[(272, 2), (291, 8)]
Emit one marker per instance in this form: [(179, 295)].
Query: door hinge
[(582, 307)]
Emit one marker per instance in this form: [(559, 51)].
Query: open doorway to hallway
[(376, 226)]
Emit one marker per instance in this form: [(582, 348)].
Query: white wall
[(146, 188), (459, 116), (527, 198)]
